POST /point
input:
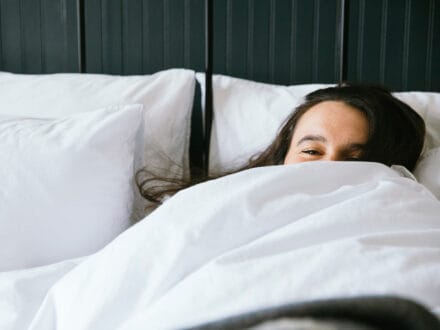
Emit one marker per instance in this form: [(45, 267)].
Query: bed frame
[(390, 42)]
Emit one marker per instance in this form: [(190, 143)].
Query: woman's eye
[(311, 152)]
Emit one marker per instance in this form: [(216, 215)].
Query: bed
[(92, 91)]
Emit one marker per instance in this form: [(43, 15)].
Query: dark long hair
[(396, 136)]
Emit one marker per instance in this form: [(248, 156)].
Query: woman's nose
[(333, 156)]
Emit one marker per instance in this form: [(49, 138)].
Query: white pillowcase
[(65, 184), (248, 114), (167, 97), (427, 171), (427, 104)]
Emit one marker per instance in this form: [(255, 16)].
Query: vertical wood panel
[(262, 43), (315, 47), (11, 36), (174, 44), (132, 36), (219, 36), (327, 50), (281, 42), (237, 17), (196, 37), (433, 63), (144, 36), (293, 41), (406, 34), (429, 45), (390, 40), (111, 18), (417, 41), (59, 35), (383, 41), (39, 36), (30, 28), (394, 49), (154, 35), (92, 34), (1, 38), (276, 41)]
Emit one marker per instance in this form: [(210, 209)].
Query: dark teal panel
[(277, 41), (39, 36), (144, 36), (432, 65), (112, 27), (132, 51), (59, 35), (394, 43), (31, 37), (11, 36), (93, 29), (154, 42)]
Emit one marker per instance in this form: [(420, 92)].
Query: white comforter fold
[(256, 239)]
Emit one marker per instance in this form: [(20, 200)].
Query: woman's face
[(330, 130)]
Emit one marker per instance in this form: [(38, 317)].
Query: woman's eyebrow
[(356, 146), (318, 138)]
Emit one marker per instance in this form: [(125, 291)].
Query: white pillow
[(65, 184), (427, 104), (167, 97), (427, 171), (248, 114)]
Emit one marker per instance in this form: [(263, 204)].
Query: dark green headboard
[(101, 36), (392, 42)]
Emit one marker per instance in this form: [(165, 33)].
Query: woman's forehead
[(333, 118)]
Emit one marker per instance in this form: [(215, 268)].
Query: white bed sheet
[(256, 239)]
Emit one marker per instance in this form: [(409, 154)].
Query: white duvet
[(256, 239)]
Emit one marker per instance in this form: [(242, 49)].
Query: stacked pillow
[(66, 189), (69, 147)]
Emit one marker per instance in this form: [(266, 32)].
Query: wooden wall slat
[(327, 55), (132, 36), (1, 38), (277, 41), (39, 36), (154, 36), (30, 28), (111, 20), (195, 38), (144, 36), (93, 31), (433, 75), (281, 67), (261, 46), (304, 36), (391, 40), (11, 36)]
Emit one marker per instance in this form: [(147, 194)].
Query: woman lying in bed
[(343, 123)]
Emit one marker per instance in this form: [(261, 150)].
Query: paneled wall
[(118, 36), (38, 36), (392, 42), (395, 42), (143, 36), (277, 41)]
